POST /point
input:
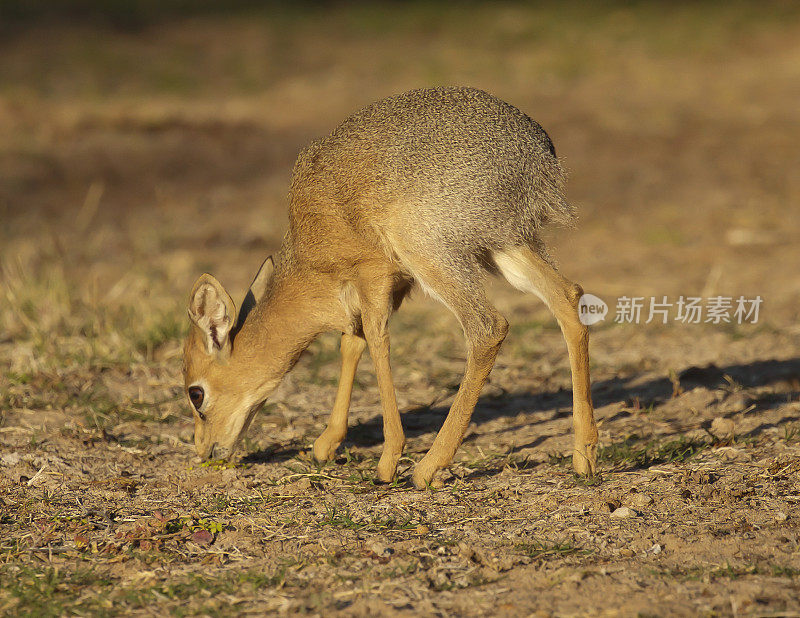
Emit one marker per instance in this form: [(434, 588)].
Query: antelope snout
[(214, 451), (205, 451)]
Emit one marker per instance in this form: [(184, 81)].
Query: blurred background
[(143, 142)]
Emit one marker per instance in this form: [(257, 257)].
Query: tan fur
[(432, 187)]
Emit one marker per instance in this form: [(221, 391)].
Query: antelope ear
[(256, 291), (212, 311), (262, 279)]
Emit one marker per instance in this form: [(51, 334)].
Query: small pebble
[(641, 500), (303, 483), (623, 512), (465, 551), (379, 549), (10, 459), (781, 516)]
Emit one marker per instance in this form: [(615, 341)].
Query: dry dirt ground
[(132, 161)]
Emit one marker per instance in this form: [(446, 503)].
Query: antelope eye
[(196, 395)]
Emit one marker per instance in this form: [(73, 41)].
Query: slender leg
[(528, 271), (456, 281), (459, 287), (576, 334), (352, 347), (376, 306), (482, 349)]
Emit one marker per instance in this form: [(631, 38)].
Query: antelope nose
[(207, 453)]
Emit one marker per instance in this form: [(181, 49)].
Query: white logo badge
[(591, 309)]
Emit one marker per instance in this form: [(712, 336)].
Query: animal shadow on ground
[(426, 419), (274, 453)]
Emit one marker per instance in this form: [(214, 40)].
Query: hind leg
[(528, 271), (484, 329)]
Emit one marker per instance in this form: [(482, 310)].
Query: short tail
[(550, 203)]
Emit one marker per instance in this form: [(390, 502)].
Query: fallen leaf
[(202, 537)]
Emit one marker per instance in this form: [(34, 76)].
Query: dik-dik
[(431, 188)]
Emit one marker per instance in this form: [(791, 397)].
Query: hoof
[(387, 467), (584, 459), (324, 449), (423, 473)]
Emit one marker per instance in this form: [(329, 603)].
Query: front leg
[(376, 300), (352, 346)]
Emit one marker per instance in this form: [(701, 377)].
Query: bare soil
[(131, 162)]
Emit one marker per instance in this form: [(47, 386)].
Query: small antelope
[(434, 188)]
